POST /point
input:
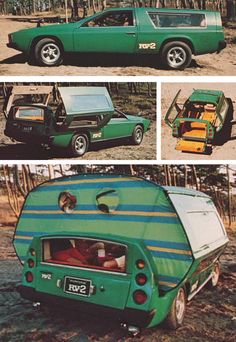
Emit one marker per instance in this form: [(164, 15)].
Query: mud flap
[(191, 146)]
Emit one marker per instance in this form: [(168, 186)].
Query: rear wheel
[(177, 311), (176, 55), (48, 52), (79, 145), (137, 135)]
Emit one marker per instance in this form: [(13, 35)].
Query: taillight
[(210, 133), (139, 297), (141, 279), (30, 263), (140, 264), (32, 252), (29, 277), (175, 131)]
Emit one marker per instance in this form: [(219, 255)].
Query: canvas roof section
[(208, 96), (86, 100), (28, 90), (185, 191)]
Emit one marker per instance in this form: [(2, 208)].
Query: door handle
[(131, 33)]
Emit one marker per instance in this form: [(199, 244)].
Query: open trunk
[(80, 270)]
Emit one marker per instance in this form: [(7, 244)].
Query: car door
[(173, 110), (118, 127), (112, 31)]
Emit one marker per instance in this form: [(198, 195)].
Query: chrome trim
[(83, 268), (199, 288)]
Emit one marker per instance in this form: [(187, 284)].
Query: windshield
[(28, 113)]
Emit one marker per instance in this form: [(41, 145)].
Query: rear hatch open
[(86, 278)]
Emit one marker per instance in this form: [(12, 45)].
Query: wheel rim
[(138, 135), (180, 306), (176, 56), (80, 145), (50, 53), (215, 276)]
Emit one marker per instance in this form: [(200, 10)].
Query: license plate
[(27, 128), (77, 286)]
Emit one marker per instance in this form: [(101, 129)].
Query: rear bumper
[(222, 45), (128, 315), (29, 138)]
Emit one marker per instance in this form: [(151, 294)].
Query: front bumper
[(129, 316), (14, 46)]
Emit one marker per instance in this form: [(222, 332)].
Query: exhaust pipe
[(36, 305), (133, 331)]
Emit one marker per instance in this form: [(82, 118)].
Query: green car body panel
[(86, 110), (153, 222), (144, 35)]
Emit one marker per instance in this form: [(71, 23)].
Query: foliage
[(211, 179)]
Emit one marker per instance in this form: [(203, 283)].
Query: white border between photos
[(155, 79)]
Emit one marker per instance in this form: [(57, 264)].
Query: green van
[(172, 35), (81, 116), (116, 244)]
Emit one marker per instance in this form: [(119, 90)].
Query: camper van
[(198, 122), (121, 245), (79, 117)]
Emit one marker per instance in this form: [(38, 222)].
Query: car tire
[(48, 52), (79, 145), (215, 276), (176, 55), (177, 311), (137, 135)]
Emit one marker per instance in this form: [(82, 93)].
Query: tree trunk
[(229, 195), (195, 180)]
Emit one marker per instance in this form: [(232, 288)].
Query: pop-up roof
[(28, 90), (86, 100), (208, 96)]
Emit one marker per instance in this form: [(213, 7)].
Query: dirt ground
[(210, 316), (120, 149), (226, 151), (14, 63)]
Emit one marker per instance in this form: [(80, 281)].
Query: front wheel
[(48, 52), (176, 55), (79, 145), (137, 135), (177, 311)]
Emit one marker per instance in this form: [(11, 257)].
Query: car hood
[(48, 28)]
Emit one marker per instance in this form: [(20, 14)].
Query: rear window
[(85, 252), (28, 113), (178, 20), (88, 102)]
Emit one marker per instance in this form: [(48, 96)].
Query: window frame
[(177, 14)]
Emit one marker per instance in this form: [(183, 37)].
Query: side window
[(224, 107), (118, 115), (178, 20), (120, 18)]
